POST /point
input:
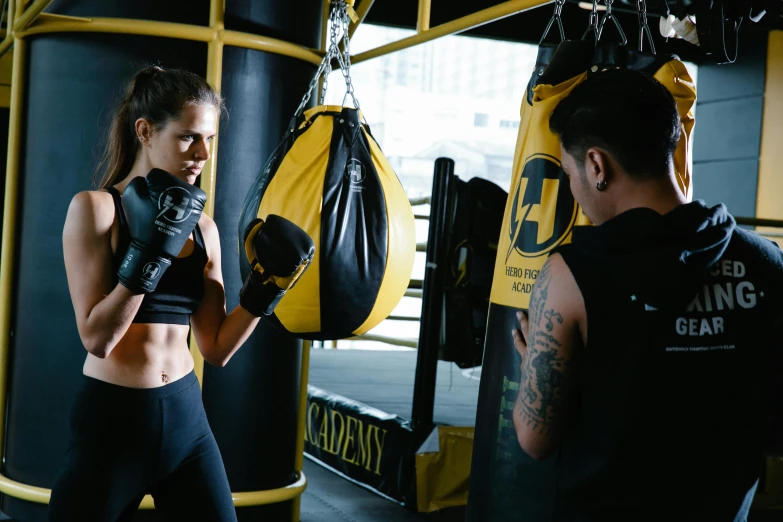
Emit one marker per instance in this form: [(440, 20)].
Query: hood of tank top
[(662, 259)]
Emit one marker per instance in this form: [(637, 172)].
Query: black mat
[(384, 380), (331, 498)]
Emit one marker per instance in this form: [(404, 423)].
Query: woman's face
[(182, 146)]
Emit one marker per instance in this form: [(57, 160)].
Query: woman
[(143, 266)]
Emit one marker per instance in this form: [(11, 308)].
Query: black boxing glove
[(279, 252), (162, 211)]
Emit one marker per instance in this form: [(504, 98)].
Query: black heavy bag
[(330, 177), (472, 245)]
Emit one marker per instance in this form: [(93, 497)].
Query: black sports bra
[(181, 287)]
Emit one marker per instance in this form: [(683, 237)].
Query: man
[(649, 337)]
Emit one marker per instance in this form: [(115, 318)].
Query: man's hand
[(519, 335)]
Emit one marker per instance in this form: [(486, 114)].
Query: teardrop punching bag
[(330, 177), (506, 484)]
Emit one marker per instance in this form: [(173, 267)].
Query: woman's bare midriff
[(148, 356)]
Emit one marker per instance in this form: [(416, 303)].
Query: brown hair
[(158, 95)]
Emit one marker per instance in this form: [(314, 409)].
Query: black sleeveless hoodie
[(671, 409)]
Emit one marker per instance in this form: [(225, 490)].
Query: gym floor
[(384, 380), (331, 498)]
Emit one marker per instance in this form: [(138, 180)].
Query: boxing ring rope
[(402, 318), (23, 23), (759, 222), (421, 201), (395, 341), (421, 247), (765, 224), (770, 234)]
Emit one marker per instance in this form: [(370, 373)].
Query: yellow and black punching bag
[(540, 210), (540, 214), (330, 177)]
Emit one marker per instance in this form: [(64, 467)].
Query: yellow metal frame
[(7, 486), (8, 41), (423, 20), (47, 23), (24, 22), (361, 13), (466, 23), (304, 377)]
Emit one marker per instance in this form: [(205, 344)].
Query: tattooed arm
[(546, 342)]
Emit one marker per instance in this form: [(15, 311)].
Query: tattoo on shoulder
[(540, 293)]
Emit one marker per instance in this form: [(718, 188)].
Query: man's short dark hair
[(628, 113)]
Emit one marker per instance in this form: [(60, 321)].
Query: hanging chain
[(593, 22), (321, 68), (555, 18), (339, 20), (609, 16), (345, 57), (641, 13), (330, 54)]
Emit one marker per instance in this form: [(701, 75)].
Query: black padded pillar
[(252, 403)]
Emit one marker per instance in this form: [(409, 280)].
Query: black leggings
[(126, 442)]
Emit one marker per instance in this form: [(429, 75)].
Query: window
[(480, 120), (456, 97)]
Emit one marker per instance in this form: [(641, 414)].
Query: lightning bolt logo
[(174, 208), (354, 171), (167, 205), (543, 199), (521, 213), (460, 268)]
